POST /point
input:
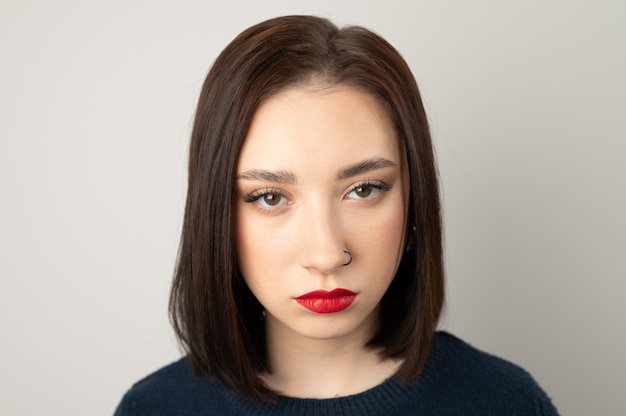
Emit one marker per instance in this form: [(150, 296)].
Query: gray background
[(526, 101)]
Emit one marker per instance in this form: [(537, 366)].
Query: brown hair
[(215, 316)]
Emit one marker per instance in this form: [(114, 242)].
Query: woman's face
[(321, 171)]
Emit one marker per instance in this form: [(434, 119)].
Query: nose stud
[(349, 258)]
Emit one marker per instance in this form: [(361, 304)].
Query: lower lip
[(321, 301)]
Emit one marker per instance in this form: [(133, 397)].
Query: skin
[(300, 202)]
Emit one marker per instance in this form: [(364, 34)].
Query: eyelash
[(256, 195), (373, 185)]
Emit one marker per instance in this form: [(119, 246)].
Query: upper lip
[(324, 294)]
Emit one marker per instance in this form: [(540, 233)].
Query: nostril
[(325, 259)]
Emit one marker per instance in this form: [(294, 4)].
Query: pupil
[(363, 191), (271, 199)]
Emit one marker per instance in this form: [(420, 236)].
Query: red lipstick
[(321, 301)]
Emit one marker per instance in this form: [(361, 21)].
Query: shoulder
[(481, 383), (456, 355), (174, 390)]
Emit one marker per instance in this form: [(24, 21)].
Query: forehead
[(305, 124)]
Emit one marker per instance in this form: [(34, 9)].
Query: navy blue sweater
[(457, 380)]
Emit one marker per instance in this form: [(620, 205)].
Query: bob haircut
[(215, 316)]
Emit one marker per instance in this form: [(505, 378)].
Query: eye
[(368, 190), (270, 199), (267, 200), (363, 191)]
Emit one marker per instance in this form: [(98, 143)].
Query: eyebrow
[(284, 177), (277, 176), (364, 166)]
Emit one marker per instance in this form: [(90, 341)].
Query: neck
[(320, 368)]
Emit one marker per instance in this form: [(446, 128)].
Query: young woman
[(310, 272)]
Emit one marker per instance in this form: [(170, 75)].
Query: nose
[(322, 242)]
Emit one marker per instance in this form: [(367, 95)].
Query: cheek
[(381, 236), (260, 250), (250, 250), (390, 237)]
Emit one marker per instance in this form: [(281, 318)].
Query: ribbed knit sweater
[(457, 380)]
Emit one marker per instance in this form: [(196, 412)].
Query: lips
[(322, 301)]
